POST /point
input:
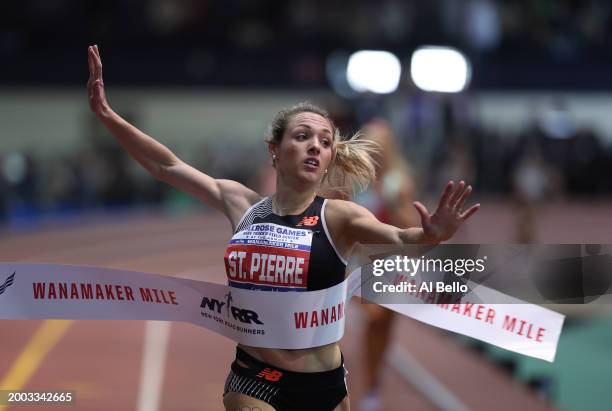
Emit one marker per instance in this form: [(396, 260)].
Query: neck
[(288, 200)]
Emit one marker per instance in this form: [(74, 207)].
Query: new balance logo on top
[(7, 283), (309, 221), (270, 374)]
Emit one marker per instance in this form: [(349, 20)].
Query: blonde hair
[(352, 167)]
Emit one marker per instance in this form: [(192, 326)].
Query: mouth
[(311, 164)]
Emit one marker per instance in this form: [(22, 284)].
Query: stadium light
[(374, 71), (441, 69)]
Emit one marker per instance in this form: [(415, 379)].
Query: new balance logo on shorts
[(270, 374)]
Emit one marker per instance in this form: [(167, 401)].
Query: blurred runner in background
[(390, 198)]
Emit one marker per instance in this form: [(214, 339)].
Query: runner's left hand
[(448, 217)]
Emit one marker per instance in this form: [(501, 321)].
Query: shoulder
[(341, 212), (338, 215), (351, 223), (345, 206), (237, 200)]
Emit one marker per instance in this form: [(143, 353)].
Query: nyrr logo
[(243, 315), (7, 283)]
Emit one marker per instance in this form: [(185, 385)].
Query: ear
[(272, 149)]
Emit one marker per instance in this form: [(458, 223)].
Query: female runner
[(306, 151)]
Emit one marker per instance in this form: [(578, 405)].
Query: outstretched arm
[(229, 197), (350, 223)]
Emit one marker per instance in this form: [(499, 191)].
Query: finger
[(98, 67), (467, 214), (445, 194), (90, 61), (462, 198), (98, 64), (452, 202), (97, 50), (422, 210)]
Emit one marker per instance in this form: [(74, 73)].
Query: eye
[(326, 143), (301, 137)]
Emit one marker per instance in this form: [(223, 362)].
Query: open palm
[(446, 219)]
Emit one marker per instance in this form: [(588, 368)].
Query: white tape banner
[(290, 320), (251, 317), (514, 325)]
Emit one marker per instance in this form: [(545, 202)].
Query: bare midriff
[(317, 359)]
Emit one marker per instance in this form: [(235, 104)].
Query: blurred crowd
[(511, 44), (546, 44), (32, 188), (549, 159)]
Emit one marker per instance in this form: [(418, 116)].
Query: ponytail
[(353, 167)]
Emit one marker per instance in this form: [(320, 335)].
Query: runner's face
[(305, 151)]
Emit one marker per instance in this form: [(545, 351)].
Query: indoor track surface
[(136, 365)]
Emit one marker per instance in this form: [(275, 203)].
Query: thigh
[(235, 401)]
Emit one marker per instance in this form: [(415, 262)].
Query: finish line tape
[(288, 320)]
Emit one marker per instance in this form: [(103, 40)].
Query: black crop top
[(283, 253)]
